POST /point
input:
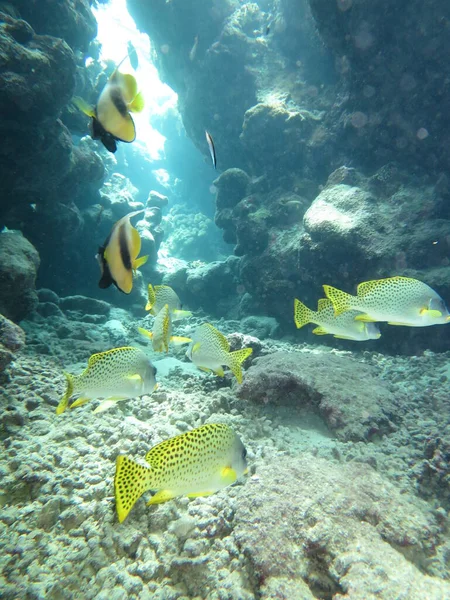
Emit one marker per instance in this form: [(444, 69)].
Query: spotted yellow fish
[(113, 375), (209, 350), (161, 334), (396, 300), (343, 327), (196, 463), (159, 295)]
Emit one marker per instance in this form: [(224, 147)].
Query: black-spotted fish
[(113, 375), (111, 118), (343, 327), (212, 148), (118, 257), (161, 333), (159, 295), (210, 350), (395, 300), (197, 463)]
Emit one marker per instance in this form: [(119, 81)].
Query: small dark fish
[(268, 29), (132, 55), (193, 51), (212, 149)]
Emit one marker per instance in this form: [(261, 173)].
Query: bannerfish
[(396, 300), (212, 149), (343, 327), (210, 350), (118, 257), (193, 464), (111, 118), (132, 55), (113, 375), (161, 334), (159, 295)]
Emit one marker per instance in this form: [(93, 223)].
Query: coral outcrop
[(328, 384), (12, 339), (19, 263)]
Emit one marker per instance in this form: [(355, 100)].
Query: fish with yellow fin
[(161, 334), (209, 351), (159, 295), (193, 464), (118, 257), (114, 375), (395, 300), (343, 327), (111, 119)]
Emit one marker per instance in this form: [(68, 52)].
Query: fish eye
[(155, 370), (244, 453)]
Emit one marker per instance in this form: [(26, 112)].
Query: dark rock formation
[(19, 262), (12, 339), (351, 399), (42, 174), (71, 20), (213, 286)]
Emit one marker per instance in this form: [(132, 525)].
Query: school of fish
[(211, 457)]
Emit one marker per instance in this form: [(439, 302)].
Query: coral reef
[(19, 262), (12, 339), (329, 384), (315, 517)]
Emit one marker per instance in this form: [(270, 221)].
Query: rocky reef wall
[(333, 169), (43, 175)]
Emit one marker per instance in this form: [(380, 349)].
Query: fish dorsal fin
[(324, 304), (366, 287), (161, 288), (166, 326), (151, 297), (107, 354), (219, 337)]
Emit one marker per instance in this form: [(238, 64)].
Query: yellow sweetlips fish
[(395, 300), (159, 295), (118, 257), (114, 375), (161, 334), (209, 351), (111, 118), (343, 327), (193, 464)]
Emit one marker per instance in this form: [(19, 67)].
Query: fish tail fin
[(70, 380), (302, 314), (143, 331), (235, 359), (138, 103), (179, 314), (83, 106), (178, 339), (130, 482), (139, 262), (341, 300)]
